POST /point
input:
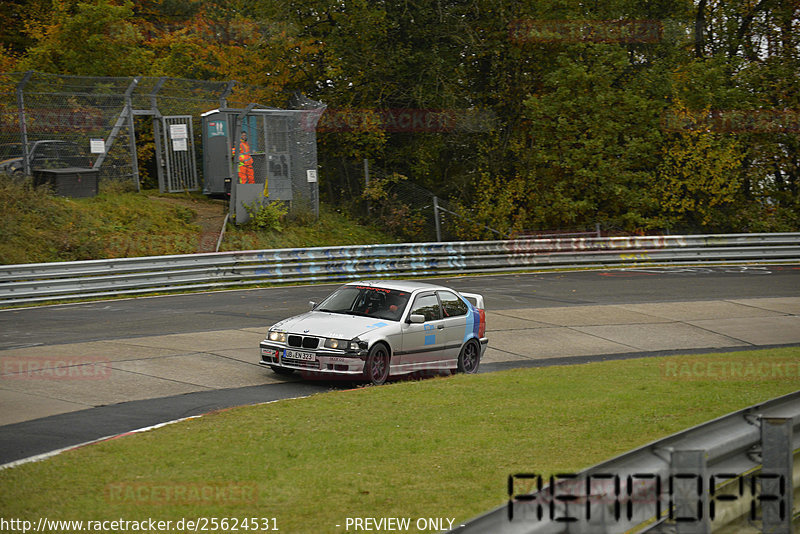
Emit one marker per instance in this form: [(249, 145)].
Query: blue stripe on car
[(473, 322)]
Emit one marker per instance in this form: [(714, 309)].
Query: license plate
[(297, 355)]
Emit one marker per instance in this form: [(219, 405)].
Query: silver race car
[(380, 329)]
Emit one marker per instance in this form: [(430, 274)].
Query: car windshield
[(54, 154), (10, 150), (367, 301)]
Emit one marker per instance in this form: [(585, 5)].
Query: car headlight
[(342, 344), (332, 343), (277, 335)]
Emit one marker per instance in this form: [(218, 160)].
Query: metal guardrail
[(39, 282), (737, 473)]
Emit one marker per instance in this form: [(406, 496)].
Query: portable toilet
[(276, 161)]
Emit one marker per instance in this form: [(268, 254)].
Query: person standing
[(246, 175)]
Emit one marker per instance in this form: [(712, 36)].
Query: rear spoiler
[(475, 299)]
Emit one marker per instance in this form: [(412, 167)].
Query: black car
[(46, 154)]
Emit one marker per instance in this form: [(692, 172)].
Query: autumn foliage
[(639, 116)]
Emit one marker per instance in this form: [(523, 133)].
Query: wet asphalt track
[(121, 319), (201, 312)]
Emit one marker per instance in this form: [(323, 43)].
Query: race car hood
[(333, 325)]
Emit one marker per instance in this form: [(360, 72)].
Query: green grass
[(37, 226), (441, 447), (332, 229)]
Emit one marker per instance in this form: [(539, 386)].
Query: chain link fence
[(37, 109), (417, 214), (126, 127)]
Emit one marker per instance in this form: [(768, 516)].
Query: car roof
[(401, 285)]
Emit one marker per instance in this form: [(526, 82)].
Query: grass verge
[(333, 229), (36, 226), (434, 448)]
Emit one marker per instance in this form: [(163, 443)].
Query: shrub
[(267, 216)]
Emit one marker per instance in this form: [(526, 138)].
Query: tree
[(8, 60), (698, 183), (746, 83), (15, 18), (94, 38), (577, 99)]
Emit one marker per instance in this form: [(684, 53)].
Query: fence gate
[(181, 169)]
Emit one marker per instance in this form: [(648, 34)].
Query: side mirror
[(416, 319), (312, 303)]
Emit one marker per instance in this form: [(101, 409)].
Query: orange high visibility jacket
[(244, 154)]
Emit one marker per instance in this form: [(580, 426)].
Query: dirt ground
[(210, 216)]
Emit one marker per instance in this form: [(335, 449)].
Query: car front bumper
[(346, 363)]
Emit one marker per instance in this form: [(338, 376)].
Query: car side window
[(44, 154), (427, 305), (452, 306)]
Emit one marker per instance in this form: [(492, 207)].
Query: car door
[(44, 155), (454, 321), (423, 342)]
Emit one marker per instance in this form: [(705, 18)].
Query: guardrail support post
[(436, 219), (777, 489), (23, 122), (688, 491), (159, 155)]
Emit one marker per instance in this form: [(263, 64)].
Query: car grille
[(301, 363), (304, 342)]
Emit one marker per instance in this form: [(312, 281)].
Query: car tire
[(376, 368), (283, 371), (469, 358)]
